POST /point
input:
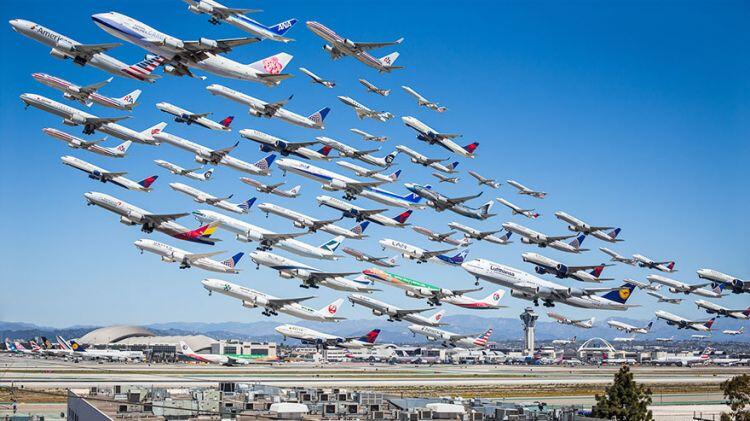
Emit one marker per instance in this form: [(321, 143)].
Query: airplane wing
[(293, 146), (195, 256), (94, 86), (370, 212), (98, 121), (577, 268), (319, 276), (92, 143), (323, 222), (363, 184), (559, 237), (458, 200), (591, 291), (218, 199), (694, 287), (273, 186), (601, 228), (447, 135), (364, 46), (281, 302), (414, 311), (273, 77), (431, 254), (366, 152), (281, 237), (459, 337), (465, 291), (197, 116), (189, 170), (165, 217), (272, 107), (217, 46), (221, 153), (91, 49), (225, 12), (111, 175), (429, 161)]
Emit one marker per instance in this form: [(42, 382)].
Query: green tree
[(624, 400), (737, 393)]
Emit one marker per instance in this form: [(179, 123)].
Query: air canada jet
[(324, 340), (182, 115), (683, 323), (236, 17), (582, 323), (338, 47), (429, 135)]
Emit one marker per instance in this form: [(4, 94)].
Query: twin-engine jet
[(187, 259), (324, 340), (489, 236), (182, 115), (664, 299), (374, 174), (576, 225), (440, 202), (645, 262), (397, 314), (683, 323), (712, 308), (561, 271), (434, 163), (360, 256), (582, 323), (369, 137), (483, 181), (88, 95), (360, 214), (517, 210), (317, 79), (74, 142), (268, 143), (338, 47), (311, 277), (272, 188), (185, 172), (424, 102), (529, 236), (301, 220), (615, 257), (116, 178), (737, 285), (431, 136), (374, 89), (527, 191), (363, 111), (346, 151), (628, 328), (681, 287), (445, 237), (452, 340), (421, 255), (207, 198)]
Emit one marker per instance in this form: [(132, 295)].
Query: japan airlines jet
[(118, 151), (734, 332), (422, 101), (440, 202), (738, 285), (411, 252), (236, 17), (368, 137), (663, 299), (529, 236), (576, 225), (680, 287), (87, 95), (360, 256), (516, 210), (527, 191), (683, 323), (220, 202), (268, 143), (424, 161), (83, 54), (260, 108), (324, 340), (311, 277), (182, 115), (645, 262), (91, 123), (203, 54), (490, 302), (489, 236), (204, 155), (346, 151), (363, 111), (444, 179), (452, 340), (414, 288), (712, 308), (317, 79), (338, 47), (222, 359), (628, 328), (272, 188), (100, 174), (397, 314), (429, 135), (301, 220), (187, 259), (374, 174), (374, 89), (273, 305), (618, 258), (361, 214), (482, 181), (185, 172), (562, 271), (582, 323), (442, 237)]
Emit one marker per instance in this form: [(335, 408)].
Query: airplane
[(87, 95), (525, 190), (628, 328), (562, 271), (271, 305), (440, 202), (300, 220), (450, 339), (670, 339), (374, 89), (182, 115), (346, 151), (699, 337), (368, 137), (272, 188), (565, 341), (186, 259), (185, 172), (582, 323), (643, 285), (311, 277), (361, 214), (623, 339), (684, 361), (118, 151), (442, 237), (576, 225), (444, 179), (528, 287), (362, 111), (374, 174), (529, 236), (482, 181), (683, 323), (203, 54), (91, 123), (204, 155), (267, 239), (489, 236), (317, 79), (116, 178), (663, 299), (386, 262), (618, 258), (422, 101), (338, 47), (421, 255), (645, 262), (82, 54), (164, 223), (103, 354), (429, 135), (529, 213), (712, 308), (220, 202), (680, 287), (268, 143), (324, 340), (222, 359), (424, 161), (397, 314), (490, 302), (236, 17), (738, 286), (734, 332), (414, 288)]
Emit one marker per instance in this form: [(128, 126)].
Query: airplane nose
[(14, 23)]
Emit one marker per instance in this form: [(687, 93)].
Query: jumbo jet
[(488, 236), (187, 259), (374, 174), (440, 202), (91, 123), (220, 202), (444, 237), (360, 256), (683, 323), (397, 314), (582, 323), (525, 190), (361, 214), (374, 89), (529, 287), (680, 287), (204, 155), (369, 137), (529, 236), (185, 172), (202, 54), (664, 299), (434, 163), (576, 225), (74, 142), (546, 265), (363, 111), (311, 277), (103, 354), (517, 210), (116, 178), (421, 255), (182, 115), (338, 47), (628, 328), (738, 285), (83, 54), (317, 79), (272, 188), (236, 17), (423, 102), (483, 181), (452, 340), (445, 179), (740, 331), (268, 143), (324, 340), (346, 151), (300, 220), (272, 305), (88, 95), (712, 308), (164, 223), (645, 262), (413, 288), (429, 135), (615, 257), (222, 359)]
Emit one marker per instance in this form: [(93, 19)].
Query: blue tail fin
[(621, 294), (319, 116), (460, 256), (282, 27), (265, 163), (333, 244), (506, 236), (454, 165), (360, 228), (395, 175), (578, 241), (232, 261), (245, 206), (412, 198)]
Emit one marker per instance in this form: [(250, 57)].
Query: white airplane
[(133, 215), (374, 89), (516, 210), (529, 236), (360, 256), (273, 305), (475, 234), (204, 155), (680, 287), (444, 179), (363, 111), (186, 259), (699, 337), (452, 340), (368, 137), (220, 202), (490, 302), (670, 339), (528, 287), (236, 17), (737, 285), (712, 308), (338, 47), (273, 188), (441, 202), (740, 331), (361, 214), (565, 341), (118, 151), (431, 136), (617, 257), (424, 161), (628, 328), (83, 54), (397, 314), (576, 225), (268, 143), (582, 323), (482, 181), (203, 54), (643, 285), (685, 361), (624, 339), (525, 190), (664, 299), (324, 340), (103, 354), (374, 174), (91, 123), (311, 277), (300, 220), (422, 101), (418, 254), (645, 262), (346, 151), (222, 359), (185, 172), (683, 323), (100, 174), (546, 265), (87, 95), (442, 237), (317, 79), (182, 115), (414, 288)]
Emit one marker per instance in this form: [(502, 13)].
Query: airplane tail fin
[(319, 116), (272, 65), (148, 181), (402, 217), (232, 261), (143, 69), (325, 150), (360, 228), (245, 206), (332, 244), (435, 318), (294, 191), (648, 326), (719, 288), (131, 98), (185, 348), (390, 157), (227, 121), (63, 343), (483, 339), (46, 343), (597, 271), (453, 165), (471, 147), (155, 129), (122, 148), (386, 92), (331, 309), (621, 294), (459, 257), (670, 266), (264, 164), (485, 209), (710, 323), (591, 321), (494, 298), (578, 241), (506, 237), (19, 346), (282, 27), (204, 231), (370, 337), (393, 260), (388, 60), (394, 175), (614, 233), (75, 346)]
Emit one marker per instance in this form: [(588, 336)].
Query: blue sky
[(628, 113)]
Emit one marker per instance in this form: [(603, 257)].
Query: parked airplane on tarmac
[(301, 220), (386, 262), (311, 277), (628, 328), (317, 79), (737, 285), (516, 210), (204, 155), (272, 188), (529, 236), (452, 340), (182, 115), (414, 288), (118, 151), (363, 111), (712, 308), (442, 237), (100, 174), (547, 265), (87, 95), (222, 359), (482, 181), (420, 159), (187, 259), (565, 341), (582, 323), (397, 314), (421, 255), (346, 151), (268, 143), (361, 214), (527, 191), (374, 174), (489, 236), (324, 340), (338, 47), (684, 361), (374, 89), (440, 202), (236, 17), (645, 262), (423, 102), (220, 202), (664, 299), (683, 323), (618, 258), (431, 136), (680, 287), (185, 172), (576, 225), (368, 137)]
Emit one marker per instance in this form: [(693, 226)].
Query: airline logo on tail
[(710, 323), (232, 261), (371, 336), (227, 121), (577, 242), (360, 228), (333, 244), (597, 271), (620, 295), (265, 163), (248, 204), (401, 219), (325, 150), (482, 340), (471, 147), (319, 116), (147, 182)]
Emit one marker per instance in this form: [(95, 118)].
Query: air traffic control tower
[(528, 317)]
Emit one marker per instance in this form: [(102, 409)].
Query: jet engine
[(64, 45), (526, 240), (248, 304), (286, 275), (167, 259), (377, 312), (254, 113), (173, 43), (738, 284), (57, 54), (350, 43), (573, 228), (302, 273), (412, 294), (562, 269), (127, 221), (337, 184), (208, 43), (243, 237), (540, 270), (201, 160), (204, 7)]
